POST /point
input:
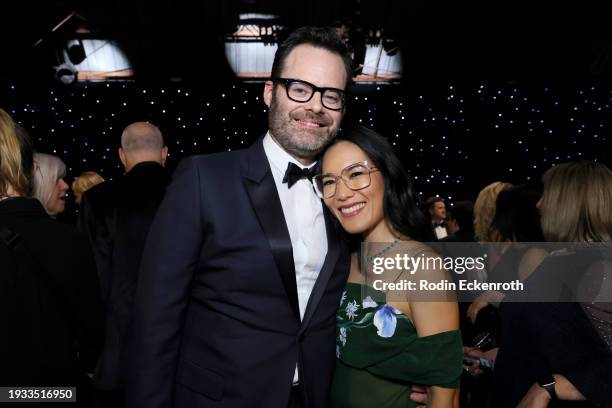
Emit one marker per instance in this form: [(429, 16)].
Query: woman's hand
[(475, 355), (478, 304), (536, 397), (418, 394)]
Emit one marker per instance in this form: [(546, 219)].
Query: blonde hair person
[(587, 216), (556, 343), (84, 182), (15, 175), (49, 185), (484, 211), (50, 303)]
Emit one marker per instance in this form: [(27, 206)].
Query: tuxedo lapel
[(266, 203), (331, 259)]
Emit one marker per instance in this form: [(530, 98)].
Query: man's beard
[(298, 142)]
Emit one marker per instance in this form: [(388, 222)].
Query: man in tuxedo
[(116, 216), (243, 269), (437, 214)]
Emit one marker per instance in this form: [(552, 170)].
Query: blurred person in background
[(436, 209), (556, 353), (49, 185), (516, 226), (116, 216), (516, 221), (484, 211), (84, 182), (460, 224), (50, 309)]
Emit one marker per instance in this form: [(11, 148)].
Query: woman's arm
[(530, 261), (443, 397), (490, 297), (566, 390), (433, 317), (538, 397)]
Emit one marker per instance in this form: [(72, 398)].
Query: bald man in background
[(116, 216)]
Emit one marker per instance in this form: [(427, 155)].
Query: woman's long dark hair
[(400, 202)]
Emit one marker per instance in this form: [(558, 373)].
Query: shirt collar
[(278, 157)]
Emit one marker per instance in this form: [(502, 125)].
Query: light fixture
[(76, 52), (66, 74)]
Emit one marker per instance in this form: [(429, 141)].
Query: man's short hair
[(321, 37), (431, 201), (141, 137)]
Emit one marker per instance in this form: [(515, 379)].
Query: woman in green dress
[(388, 337)]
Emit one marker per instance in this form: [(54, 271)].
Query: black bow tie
[(295, 173)]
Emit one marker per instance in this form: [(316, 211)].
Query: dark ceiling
[(184, 38)]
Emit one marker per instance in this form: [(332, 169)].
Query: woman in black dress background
[(50, 308), (554, 352)]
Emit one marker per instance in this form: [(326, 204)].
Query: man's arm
[(169, 261)]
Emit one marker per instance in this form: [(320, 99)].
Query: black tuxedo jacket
[(216, 319), (116, 216)]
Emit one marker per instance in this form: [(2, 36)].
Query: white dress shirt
[(303, 213)]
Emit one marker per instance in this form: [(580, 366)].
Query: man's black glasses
[(302, 91)]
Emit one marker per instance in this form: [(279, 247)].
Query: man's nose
[(314, 104)]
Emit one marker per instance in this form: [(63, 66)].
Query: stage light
[(76, 53), (66, 74)]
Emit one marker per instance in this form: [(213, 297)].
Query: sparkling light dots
[(450, 138)]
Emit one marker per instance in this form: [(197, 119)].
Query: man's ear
[(268, 92), (123, 158), (164, 155)]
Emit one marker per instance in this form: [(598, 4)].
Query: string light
[(468, 131)]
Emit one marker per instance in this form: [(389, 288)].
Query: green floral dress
[(380, 355)]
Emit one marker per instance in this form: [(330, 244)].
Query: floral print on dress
[(351, 309), (342, 336), (380, 317), (385, 320)]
